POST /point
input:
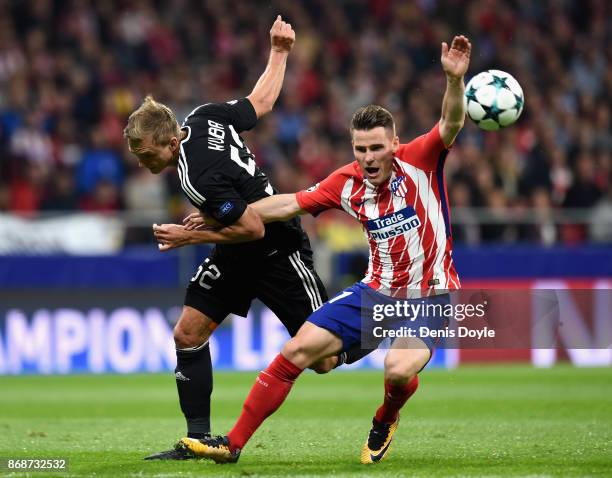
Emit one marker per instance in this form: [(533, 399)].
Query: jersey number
[(247, 163), (212, 272)]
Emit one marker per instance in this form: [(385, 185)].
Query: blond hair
[(151, 118)]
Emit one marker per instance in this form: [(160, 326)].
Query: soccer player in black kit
[(219, 176)]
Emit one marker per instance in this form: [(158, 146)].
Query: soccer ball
[(493, 99)]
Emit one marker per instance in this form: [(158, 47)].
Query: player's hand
[(455, 61), (200, 221), (193, 221), (171, 236), (282, 36)]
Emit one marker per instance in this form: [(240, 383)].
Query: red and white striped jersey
[(406, 219)]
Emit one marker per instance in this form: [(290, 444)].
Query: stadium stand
[(71, 71)]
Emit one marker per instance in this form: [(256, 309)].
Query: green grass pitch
[(488, 421)]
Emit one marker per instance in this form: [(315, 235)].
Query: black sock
[(354, 353), (194, 382)]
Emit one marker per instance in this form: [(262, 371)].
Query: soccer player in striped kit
[(398, 193)]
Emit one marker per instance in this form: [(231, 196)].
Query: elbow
[(455, 128), (264, 109), (256, 229), (458, 125), (258, 232), (252, 226), (451, 128), (449, 131), (453, 125)]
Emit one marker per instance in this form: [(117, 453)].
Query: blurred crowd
[(71, 71)]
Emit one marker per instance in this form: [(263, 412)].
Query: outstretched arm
[(455, 62), (279, 207), (199, 228), (249, 227), (268, 87)]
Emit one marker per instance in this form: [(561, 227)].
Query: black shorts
[(287, 283)]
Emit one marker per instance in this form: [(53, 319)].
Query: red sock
[(395, 397), (269, 392)]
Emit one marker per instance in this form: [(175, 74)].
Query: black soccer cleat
[(179, 452), (174, 454), (213, 448), (378, 444)]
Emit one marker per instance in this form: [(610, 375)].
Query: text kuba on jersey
[(394, 224)]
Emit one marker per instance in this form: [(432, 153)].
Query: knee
[(296, 352), (401, 370), (398, 374), (192, 329), (187, 337)]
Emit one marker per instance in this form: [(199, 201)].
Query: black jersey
[(219, 175)]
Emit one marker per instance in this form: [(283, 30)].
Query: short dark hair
[(370, 117)]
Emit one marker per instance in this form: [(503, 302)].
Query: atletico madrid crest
[(398, 186)]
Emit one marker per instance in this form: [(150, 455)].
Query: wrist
[(454, 80), (278, 53), (192, 237)]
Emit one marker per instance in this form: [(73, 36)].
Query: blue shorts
[(356, 315)]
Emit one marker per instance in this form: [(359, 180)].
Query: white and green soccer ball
[(493, 99)]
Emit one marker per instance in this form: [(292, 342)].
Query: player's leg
[(331, 328), (194, 379), (270, 390), (193, 373), (292, 289), (404, 360), (402, 363), (311, 344), (210, 297)]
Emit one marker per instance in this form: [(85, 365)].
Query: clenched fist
[(282, 36)]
